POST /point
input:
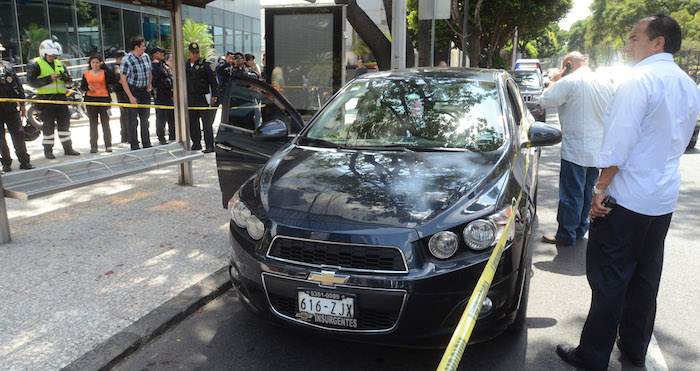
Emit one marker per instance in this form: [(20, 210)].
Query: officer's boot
[(68, 149), (48, 152)]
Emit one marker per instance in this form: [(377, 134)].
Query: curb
[(106, 355)]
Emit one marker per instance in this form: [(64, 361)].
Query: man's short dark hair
[(135, 41), (662, 25), (249, 57)]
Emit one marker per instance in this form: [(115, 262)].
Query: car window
[(528, 80), (414, 112), (516, 101), (250, 106)]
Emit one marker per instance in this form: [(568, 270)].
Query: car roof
[(473, 74)]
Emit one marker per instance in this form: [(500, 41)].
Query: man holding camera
[(581, 98), (647, 128), (10, 87), (49, 77)]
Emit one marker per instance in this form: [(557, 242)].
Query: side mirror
[(541, 135), (271, 130)]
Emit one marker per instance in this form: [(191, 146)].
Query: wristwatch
[(597, 191)]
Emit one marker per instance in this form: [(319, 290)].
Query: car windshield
[(527, 80), (415, 113)]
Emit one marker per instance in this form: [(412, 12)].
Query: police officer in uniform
[(118, 89), (223, 72), (49, 77), (10, 87), (163, 94), (201, 83)]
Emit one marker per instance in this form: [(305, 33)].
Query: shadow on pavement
[(569, 260)]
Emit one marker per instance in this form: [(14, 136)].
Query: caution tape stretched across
[(127, 105), (463, 331)]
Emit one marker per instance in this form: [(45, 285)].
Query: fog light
[(486, 307), (234, 274)]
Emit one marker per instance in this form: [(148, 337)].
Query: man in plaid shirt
[(136, 79)]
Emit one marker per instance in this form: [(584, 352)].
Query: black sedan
[(531, 86), (374, 221)]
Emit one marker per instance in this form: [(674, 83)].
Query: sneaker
[(92, 150), (6, 168), (163, 142), (27, 166), (108, 149), (208, 150)]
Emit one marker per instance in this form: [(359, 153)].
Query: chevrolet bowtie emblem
[(328, 278), (304, 315)]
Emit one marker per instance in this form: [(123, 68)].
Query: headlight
[(244, 218), (482, 234), (256, 228), (479, 234), (443, 244), (239, 211)]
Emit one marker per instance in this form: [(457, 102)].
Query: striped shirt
[(136, 69)]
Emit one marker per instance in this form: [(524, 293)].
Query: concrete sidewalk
[(85, 264)]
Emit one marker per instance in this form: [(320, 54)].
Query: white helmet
[(50, 47)]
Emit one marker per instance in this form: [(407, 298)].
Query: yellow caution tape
[(463, 331), (127, 105)]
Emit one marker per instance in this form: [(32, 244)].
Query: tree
[(577, 36), (612, 20), (33, 36), (193, 32)]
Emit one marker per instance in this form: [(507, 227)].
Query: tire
[(33, 118), (692, 144)]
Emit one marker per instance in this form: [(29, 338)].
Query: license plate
[(327, 308)]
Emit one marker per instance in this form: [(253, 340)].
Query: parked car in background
[(374, 221), (531, 88)]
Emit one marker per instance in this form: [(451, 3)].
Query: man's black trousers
[(623, 265), (10, 116), (207, 118)]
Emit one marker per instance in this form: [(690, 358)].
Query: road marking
[(655, 359)]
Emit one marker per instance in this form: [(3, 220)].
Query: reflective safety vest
[(55, 87)]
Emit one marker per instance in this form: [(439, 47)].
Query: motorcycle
[(77, 111)]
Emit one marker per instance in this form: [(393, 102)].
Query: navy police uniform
[(10, 87), (200, 82), (163, 95)]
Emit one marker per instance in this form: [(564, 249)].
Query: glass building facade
[(101, 26)]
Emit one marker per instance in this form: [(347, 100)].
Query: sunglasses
[(238, 57)]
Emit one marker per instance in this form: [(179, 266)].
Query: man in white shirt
[(581, 98), (648, 125)]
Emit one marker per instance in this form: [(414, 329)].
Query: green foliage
[(193, 32), (32, 38), (577, 36), (362, 50), (500, 62), (612, 20)]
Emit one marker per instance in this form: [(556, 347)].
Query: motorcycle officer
[(10, 87), (48, 75)]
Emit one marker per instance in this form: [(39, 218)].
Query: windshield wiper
[(321, 142)]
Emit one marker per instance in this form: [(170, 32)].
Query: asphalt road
[(224, 336)]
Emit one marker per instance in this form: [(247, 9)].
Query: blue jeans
[(575, 195), (143, 97)]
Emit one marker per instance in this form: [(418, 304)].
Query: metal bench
[(31, 184)]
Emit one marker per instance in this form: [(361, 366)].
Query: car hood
[(388, 188)]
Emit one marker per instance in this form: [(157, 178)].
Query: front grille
[(346, 256), (367, 319)]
